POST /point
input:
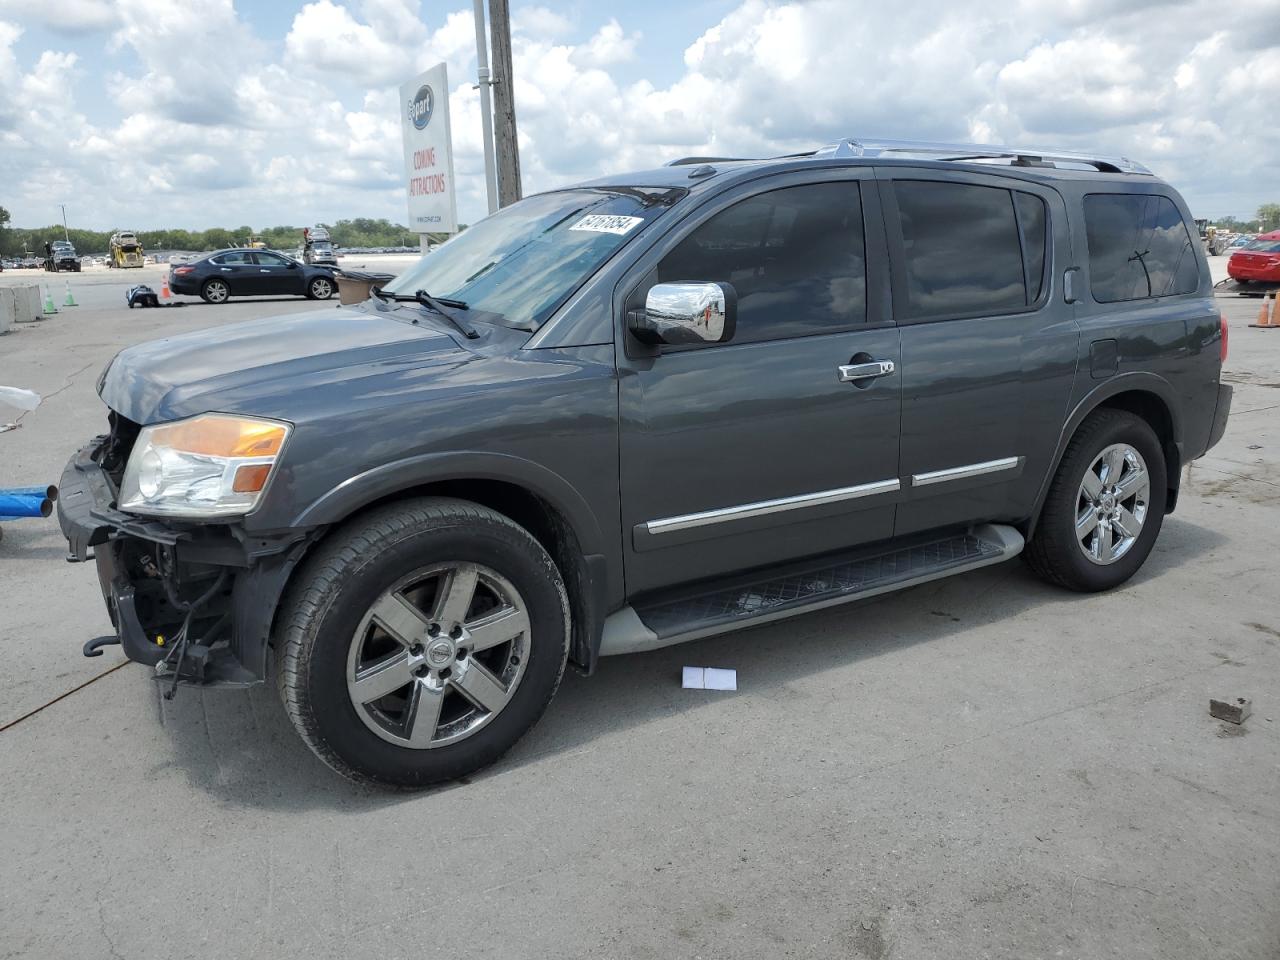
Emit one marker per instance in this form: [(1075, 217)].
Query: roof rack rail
[(687, 161), (1018, 156)]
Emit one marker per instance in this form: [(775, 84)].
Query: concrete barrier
[(28, 307), (8, 305)]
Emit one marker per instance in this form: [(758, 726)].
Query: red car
[(1259, 260)]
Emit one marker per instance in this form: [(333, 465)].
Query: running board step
[(751, 601)]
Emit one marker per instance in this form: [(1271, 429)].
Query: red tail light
[(179, 271), (1222, 351)]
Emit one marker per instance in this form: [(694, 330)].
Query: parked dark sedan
[(250, 273)]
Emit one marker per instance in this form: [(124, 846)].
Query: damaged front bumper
[(159, 575)]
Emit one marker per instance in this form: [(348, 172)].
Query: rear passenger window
[(963, 249), (795, 256), (1139, 247)]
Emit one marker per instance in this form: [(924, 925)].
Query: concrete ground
[(979, 767)]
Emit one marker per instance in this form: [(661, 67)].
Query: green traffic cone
[(49, 308), (70, 301)]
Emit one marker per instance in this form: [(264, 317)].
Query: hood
[(265, 367)]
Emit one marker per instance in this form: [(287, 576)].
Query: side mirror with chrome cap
[(680, 313)]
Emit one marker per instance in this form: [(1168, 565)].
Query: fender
[(399, 475), (1139, 381)]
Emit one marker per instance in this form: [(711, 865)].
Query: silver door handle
[(865, 371), (264, 270)]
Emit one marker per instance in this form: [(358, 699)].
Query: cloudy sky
[(200, 113)]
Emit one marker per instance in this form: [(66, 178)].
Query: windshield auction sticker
[(603, 223)]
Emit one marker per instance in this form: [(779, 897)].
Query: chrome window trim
[(763, 507), (962, 473)]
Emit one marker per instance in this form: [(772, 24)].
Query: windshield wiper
[(438, 305), (431, 303)]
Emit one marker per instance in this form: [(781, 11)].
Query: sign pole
[(486, 111), (504, 102)]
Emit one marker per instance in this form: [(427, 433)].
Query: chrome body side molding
[(763, 507), (963, 473)]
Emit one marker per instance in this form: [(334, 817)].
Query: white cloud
[(540, 23), (327, 37), (218, 125), (610, 46), (192, 64), (66, 16)]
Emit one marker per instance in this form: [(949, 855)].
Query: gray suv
[(646, 409)]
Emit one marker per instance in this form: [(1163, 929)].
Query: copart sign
[(428, 153)]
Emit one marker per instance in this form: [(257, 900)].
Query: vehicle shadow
[(241, 748), (194, 300)]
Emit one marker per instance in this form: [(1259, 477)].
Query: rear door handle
[(853, 372)]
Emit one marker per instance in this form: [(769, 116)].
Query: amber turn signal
[(216, 435)]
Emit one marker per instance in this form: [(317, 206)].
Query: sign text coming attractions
[(428, 153)]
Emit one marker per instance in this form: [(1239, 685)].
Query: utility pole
[(504, 104), (486, 114), (66, 234)]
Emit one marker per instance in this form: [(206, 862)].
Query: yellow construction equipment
[(125, 250)]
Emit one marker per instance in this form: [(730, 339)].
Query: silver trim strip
[(961, 473), (690, 520)]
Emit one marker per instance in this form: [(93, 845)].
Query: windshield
[(321, 248), (523, 262), (1264, 246)]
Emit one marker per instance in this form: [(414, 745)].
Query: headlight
[(213, 465)]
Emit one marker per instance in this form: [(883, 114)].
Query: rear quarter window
[(1139, 248)]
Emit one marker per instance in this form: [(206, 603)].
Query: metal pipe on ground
[(15, 507), (50, 492)]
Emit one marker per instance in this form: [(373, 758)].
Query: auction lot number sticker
[(604, 223)]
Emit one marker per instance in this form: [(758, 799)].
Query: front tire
[(320, 288), (1105, 505), (215, 291), (421, 642)]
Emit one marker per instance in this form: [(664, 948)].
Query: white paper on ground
[(718, 679), (17, 397), (709, 678)]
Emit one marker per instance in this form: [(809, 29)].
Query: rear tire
[(344, 623), (215, 291), (1081, 541)]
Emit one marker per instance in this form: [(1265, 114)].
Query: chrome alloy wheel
[(438, 655), (217, 291), (1111, 506), (321, 288)]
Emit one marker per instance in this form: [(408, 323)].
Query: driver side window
[(796, 257)]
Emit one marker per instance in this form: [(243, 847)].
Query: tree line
[(1268, 219), (360, 232)]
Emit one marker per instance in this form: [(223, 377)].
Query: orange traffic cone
[(164, 289), (1264, 320)]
